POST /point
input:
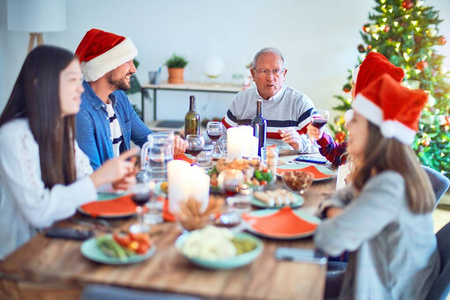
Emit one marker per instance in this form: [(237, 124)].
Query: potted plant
[(175, 65)]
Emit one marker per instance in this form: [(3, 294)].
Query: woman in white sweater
[(44, 176), (384, 217)]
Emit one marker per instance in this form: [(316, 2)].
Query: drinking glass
[(141, 193), (214, 131), (319, 118), (196, 142), (230, 181)]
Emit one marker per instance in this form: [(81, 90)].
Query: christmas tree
[(406, 31)]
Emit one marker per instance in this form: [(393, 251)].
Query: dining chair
[(109, 292), (441, 287), (439, 182)]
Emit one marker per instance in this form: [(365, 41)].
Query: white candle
[(177, 171), (186, 182), (199, 186), (252, 147), (240, 142), (234, 147), (247, 131)]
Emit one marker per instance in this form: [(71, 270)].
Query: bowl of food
[(219, 248), (297, 180)]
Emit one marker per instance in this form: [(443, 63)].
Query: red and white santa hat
[(392, 107), (373, 66), (100, 52)]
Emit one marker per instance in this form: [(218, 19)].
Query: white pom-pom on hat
[(348, 116), (387, 129)]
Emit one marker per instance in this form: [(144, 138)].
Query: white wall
[(318, 39)]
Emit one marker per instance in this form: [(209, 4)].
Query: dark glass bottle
[(259, 125), (192, 119)]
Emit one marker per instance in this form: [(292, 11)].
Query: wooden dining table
[(56, 269)]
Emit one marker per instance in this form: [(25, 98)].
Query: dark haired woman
[(44, 176)]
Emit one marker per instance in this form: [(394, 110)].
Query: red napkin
[(283, 223), (184, 157), (317, 174), (120, 206), (167, 215)]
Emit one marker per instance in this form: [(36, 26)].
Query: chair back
[(441, 287), (439, 182), (109, 292)]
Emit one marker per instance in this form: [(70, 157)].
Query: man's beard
[(119, 84)]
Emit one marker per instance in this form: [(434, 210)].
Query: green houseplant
[(175, 65)]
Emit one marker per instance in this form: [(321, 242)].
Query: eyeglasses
[(265, 72)]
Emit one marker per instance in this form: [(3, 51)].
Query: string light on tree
[(431, 32)]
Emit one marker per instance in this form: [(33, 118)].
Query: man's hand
[(179, 146), (313, 132), (291, 137)]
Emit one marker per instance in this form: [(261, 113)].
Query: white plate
[(266, 212)]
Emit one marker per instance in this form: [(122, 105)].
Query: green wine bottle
[(192, 119)]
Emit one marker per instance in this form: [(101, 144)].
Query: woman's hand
[(313, 132), (333, 212), (126, 182), (116, 169), (291, 137), (179, 146)]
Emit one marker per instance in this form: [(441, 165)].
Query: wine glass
[(140, 194), (196, 142), (214, 131), (231, 182), (319, 118)]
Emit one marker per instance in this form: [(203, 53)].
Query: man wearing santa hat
[(107, 122)]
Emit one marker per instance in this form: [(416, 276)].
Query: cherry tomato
[(142, 249), (122, 240)]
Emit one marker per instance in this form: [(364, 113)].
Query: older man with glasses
[(286, 110)]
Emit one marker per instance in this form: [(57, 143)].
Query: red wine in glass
[(319, 122), (230, 190), (193, 152), (214, 136), (140, 198)]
